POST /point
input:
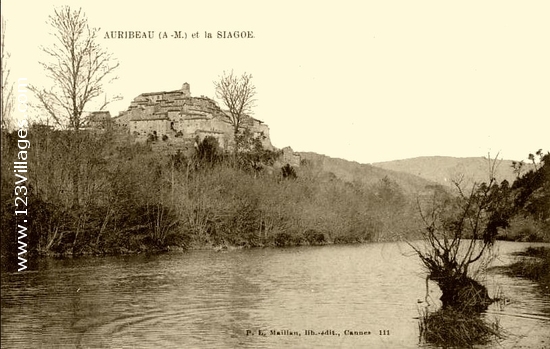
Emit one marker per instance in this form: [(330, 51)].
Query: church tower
[(186, 90)]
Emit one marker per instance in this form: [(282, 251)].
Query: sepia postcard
[(246, 174)]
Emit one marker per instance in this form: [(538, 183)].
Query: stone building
[(97, 120), (290, 157), (176, 117)]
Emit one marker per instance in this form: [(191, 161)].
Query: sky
[(366, 81)]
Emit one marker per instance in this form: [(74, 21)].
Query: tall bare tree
[(237, 93), (7, 87), (78, 68)]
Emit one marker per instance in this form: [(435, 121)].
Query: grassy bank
[(95, 193), (534, 264), (526, 229)]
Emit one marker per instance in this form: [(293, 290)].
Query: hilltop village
[(178, 119), (175, 120)]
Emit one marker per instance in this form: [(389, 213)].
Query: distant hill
[(445, 169), (351, 171)]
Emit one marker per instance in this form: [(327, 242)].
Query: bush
[(288, 172), (208, 151), (283, 239), (346, 239), (314, 237)]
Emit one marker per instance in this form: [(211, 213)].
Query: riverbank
[(533, 264), (94, 194)]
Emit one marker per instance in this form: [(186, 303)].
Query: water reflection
[(207, 299)]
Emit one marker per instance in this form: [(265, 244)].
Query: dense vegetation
[(95, 193), (522, 208), (100, 193)]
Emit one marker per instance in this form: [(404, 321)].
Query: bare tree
[(237, 93), (459, 231), (78, 68), (7, 87)]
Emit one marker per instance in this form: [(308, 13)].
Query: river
[(254, 298)]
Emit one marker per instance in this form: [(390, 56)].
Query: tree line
[(132, 199)]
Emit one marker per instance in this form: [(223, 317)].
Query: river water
[(205, 299)]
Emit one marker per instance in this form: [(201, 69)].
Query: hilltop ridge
[(366, 173), (444, 169)]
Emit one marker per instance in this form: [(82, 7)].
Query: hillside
[(445, 169), (351, 171)]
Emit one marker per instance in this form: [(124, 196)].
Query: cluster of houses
[(175, 120), (177, 117)]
